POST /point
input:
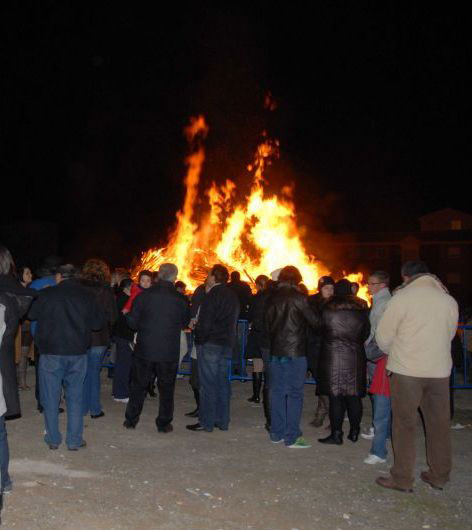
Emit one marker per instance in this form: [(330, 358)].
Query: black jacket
[(344, 329), (107, 302), (16, 300), (218, 317), (244, 294), (121, 328), (287, 317), (159, 314), (197, 298), (258, 336), (66, 314), (316, 302)]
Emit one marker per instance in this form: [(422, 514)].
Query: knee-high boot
[(256, 387), (266, 404)]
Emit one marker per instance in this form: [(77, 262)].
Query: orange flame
[(255, 237)]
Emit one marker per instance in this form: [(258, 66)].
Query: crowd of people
[(398, 351)]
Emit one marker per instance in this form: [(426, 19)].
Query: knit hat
[(325, 280), (342, 288)]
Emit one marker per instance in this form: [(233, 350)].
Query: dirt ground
[(222, 480)]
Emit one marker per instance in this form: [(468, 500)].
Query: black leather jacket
[(287, 317)]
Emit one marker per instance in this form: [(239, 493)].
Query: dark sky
[(372, 113)]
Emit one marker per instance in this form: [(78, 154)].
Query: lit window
[(456, 224)]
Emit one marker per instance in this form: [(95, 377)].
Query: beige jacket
[(417, 328)]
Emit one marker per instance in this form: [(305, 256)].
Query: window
[(453, 252), (456, 224), (453, 278)]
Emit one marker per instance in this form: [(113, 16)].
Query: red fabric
[(380, 382), (135, 290)]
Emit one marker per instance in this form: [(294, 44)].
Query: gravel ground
[(222, 480)]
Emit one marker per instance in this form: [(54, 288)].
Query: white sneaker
[(124, 400), (369, 435), (374, 459)]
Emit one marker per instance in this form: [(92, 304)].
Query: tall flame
[(255, 237)]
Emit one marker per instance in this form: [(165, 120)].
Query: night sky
[(372, 116)]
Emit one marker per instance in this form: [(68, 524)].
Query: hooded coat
[(344, 327)]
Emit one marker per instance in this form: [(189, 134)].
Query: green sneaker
[(299, 443)]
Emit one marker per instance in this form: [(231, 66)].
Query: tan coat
[(417, 328)]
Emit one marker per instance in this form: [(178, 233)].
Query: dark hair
[(262, 280), (235, 276), (145, 273), (382, 276), (303, 288), (7, 265), (125, 283), (96, 270), (342, 287), (291, 275), (180, 285), (411, 268), (67, 271), (220, 273), (21, 271)]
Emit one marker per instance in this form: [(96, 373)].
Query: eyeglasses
[(374, 283)]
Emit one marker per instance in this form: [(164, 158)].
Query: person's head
[(96, 270), (49, 266), (125, 285), (168, 272), (66, 272), (377, 281), (261, 282), (412, 268), (25, 276), (218, 274), (145, 279), (290, 275), (118, 275), (326, 287), (235, 277), (342, 288), (354, 288), (181, 287), (7, 265)]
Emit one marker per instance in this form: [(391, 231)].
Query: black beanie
[(325, 280), (342, 288)]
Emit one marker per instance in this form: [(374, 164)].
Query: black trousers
[(337, 410), (143, 373)]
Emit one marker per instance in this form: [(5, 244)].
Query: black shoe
[(254, 399), (53, 447), (40, 409), (128, 425), (195, 427), (83, 444), (335, 438), (99, 415), (220, 427), (193, 414), (61, 410), (267, 427), (353, 435), (166, 428)]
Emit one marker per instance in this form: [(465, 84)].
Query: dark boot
[(194, 413), (256, 387), (353, 434), (335, 438), (266, 404), (151, 391), (321, 411)]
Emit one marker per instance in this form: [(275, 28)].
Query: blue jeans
[(91, 398), (4, 456), (287, 377), (56, 371), (382, 425), (215, 387)]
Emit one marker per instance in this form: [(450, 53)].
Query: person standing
[(416, 331), (344, 328), (380, 385), (286, 318), (158, 314), (243, 292), (317, 301), (96, 277), (66, 314), (5, 480), (123, 336), (23, 340), (215, 334)]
